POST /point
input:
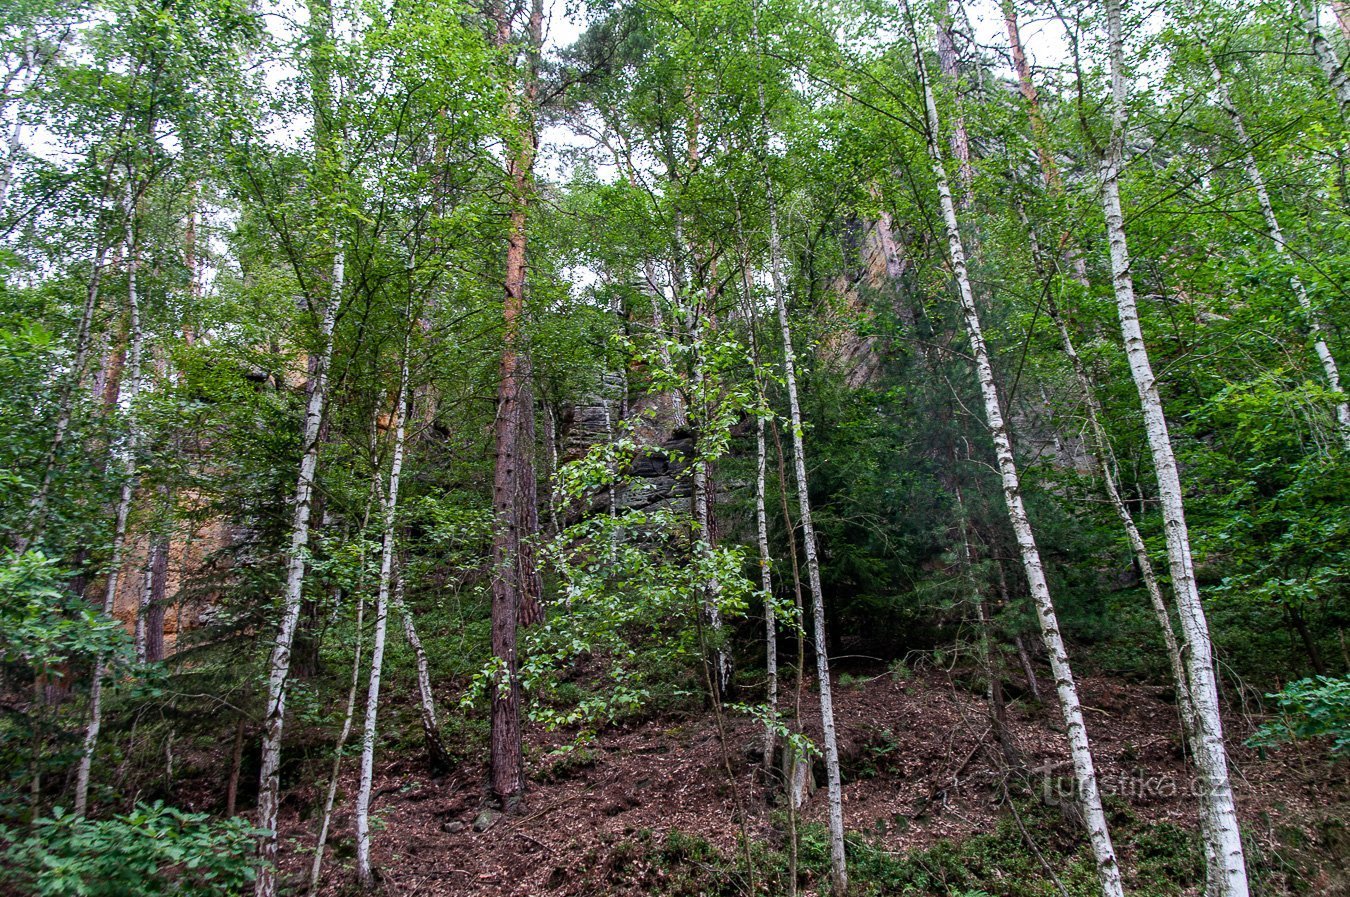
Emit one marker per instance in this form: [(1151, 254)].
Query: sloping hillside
[(649, 808)]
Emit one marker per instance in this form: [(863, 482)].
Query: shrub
[(153, 850), (1310, 708)]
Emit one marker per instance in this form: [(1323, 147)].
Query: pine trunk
[(516, 587)]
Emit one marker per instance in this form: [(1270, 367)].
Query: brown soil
[(924, 768)]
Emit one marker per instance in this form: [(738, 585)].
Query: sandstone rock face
[(189, 550), (654, 422)]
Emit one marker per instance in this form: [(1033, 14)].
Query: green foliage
[(1318, 707), (152, 850), (43, 625)]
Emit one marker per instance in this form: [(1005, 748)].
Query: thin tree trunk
[(127, 464), (951, 72), (1085, 775), (1028, 670), (1325, 54), (236, 764), (1099, 450), (328, 152), (762, 521), (1276, 234), (1041, 135), (37, 505), (1225, 850), (316, 869), (364, 874), (998, 710), (438, 758), (1300, 624), (15, 146), (152, 586), (330, 797), (1099, 443), (838, 868), (279, 663), (766, 586)]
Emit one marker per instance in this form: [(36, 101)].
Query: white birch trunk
[(838, 868), (1325, 54), (431, 730), (1276, 234), (766, 586), (279, 664), (125, 455), (147, 593), (15, 147), (364, 873), (1099, 450), (702, 502), (1089, 797), (1224, 851), (316, 869)]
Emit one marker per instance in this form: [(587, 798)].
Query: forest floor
[(921, 768)]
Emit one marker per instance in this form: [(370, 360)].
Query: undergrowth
[(1158, 860)]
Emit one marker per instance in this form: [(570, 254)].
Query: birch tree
[(125, 458), (328, 147), (1276, 234), (1224, 851), (364, 873), (838, 868), (1328, 60), (1088, 793)]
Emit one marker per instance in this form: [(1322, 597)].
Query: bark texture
[(838, 867), (516, 585), (1089, 796), (1327, 59), (1228, 873), (1276, 234)]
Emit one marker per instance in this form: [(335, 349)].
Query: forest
[(674, 447)]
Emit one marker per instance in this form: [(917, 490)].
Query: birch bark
[(1276, 234), (1327, 59), (125, 455), (279, 662), (15, 143), (1224, 851), (838, 867), (364, 873), (1089, 796), (437, 756)]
